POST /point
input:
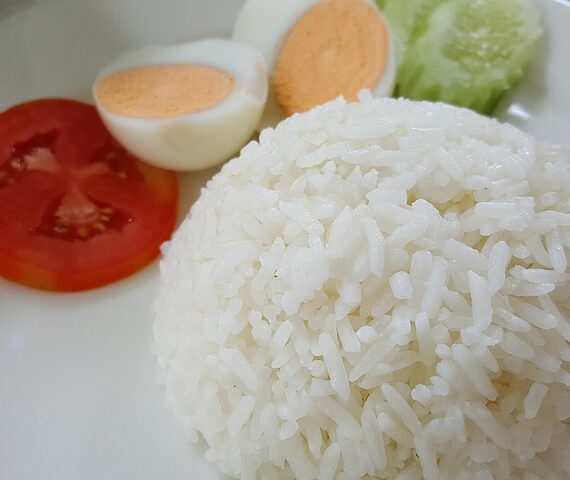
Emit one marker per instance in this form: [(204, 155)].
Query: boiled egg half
[(187, 106), (317, 50)]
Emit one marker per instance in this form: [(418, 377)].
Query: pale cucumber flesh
[(465, 52)]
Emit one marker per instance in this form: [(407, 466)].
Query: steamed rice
[(375, 290)]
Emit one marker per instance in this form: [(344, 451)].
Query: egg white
[(202, 139), (264, 24)]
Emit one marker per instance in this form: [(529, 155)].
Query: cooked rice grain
[(339, 306)]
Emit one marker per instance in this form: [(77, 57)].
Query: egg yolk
[(163, 91), (337, 47)]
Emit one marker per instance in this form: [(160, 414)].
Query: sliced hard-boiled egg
[(184, 107), (317, 50)]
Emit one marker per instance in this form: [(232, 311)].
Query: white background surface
[(78, 392)]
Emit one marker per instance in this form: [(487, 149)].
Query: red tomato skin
[(149, 196)]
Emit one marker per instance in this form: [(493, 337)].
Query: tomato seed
[(17, 164)]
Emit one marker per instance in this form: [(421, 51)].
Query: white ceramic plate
[(78, 391)]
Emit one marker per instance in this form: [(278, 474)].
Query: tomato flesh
[(77, 211)]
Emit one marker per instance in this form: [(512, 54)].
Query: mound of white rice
[(376, 290)]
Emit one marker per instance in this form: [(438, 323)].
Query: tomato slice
[(77, 211)]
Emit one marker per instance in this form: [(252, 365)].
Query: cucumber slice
[(404, 17), (469, 52)]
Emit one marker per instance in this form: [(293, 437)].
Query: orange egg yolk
[(337, 47), (163, 91)]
